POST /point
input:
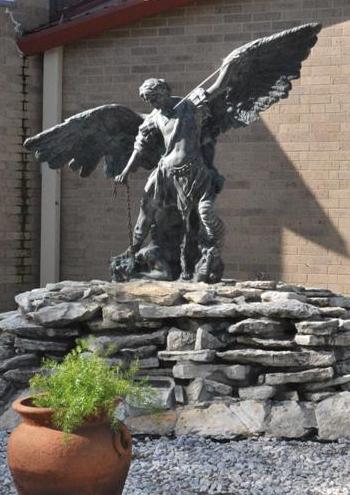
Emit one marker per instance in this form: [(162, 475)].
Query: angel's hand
[(120, 179)]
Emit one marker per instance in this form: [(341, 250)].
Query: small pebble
[(200, 466)]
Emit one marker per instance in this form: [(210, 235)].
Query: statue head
[(155, 91)]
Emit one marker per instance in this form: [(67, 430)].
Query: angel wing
[(105, 133), (259, 75)]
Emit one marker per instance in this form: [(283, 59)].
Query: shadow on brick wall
[(264, 198)]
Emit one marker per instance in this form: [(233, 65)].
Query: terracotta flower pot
[(94, 461)]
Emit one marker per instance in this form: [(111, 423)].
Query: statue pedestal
[(229, 359)]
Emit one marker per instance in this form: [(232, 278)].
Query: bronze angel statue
[(177, 142)]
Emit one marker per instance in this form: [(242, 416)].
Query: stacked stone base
[(228, 360)]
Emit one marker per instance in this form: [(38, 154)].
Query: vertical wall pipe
[(51, 179)]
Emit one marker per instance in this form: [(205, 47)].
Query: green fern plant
[(85, 385)]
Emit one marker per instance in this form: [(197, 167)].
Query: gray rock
[(42, 345), (188, 370), (22, 361), (8, 314), (150, 291), (333, 312), (165, 391), (342, 367), (322, 302), (121, 312), (196, 391), (180, 340), (9, 420), (282, 309), (155, 312), (188, 324), (311, 359), (20, 376), (223, 420), (314, 375), (139, 352), (68, 284), (285, 287), (260, 392), (341, 339), (64, 314), (238, 372), (263, 327), (4, 387), (265, 343), (22, 327), (201, 390), (179, 394), (99, 325), (32, 300), (204, 356), (164, 372), (285, 394), (344, 325), (151, 362), (257, 284), (6, 352), (317, 292), (334, 382), (290, 419), (277, 296), (323, 327), (205, 296), (232, 292), (206, 340), (333, 417), (216, 388), (341, 301), (111, 345), (318, 396), (159, 424)]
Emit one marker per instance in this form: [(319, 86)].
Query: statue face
[(157, 99)]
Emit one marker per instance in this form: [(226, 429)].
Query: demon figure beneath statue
[(177, 139)]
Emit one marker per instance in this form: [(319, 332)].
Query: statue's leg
[(148, 208), (210, 267), (185, 248), (213, 226)]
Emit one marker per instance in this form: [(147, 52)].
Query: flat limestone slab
[(259, 327), (326, 327), (333, 418), (305, 358), (162, 424), (155, 312), (314, 375), (203, 356), (221, 420), (279, 309), (290, 419), (341, 339), (64, 314)]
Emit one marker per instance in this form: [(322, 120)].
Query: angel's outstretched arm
[(145, 143), (221, 81), (131, 166)]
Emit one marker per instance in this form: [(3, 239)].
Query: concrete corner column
[(51, 179)]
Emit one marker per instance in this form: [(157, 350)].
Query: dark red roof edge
[(94, 23)]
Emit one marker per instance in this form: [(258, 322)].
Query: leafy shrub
[(86, 385)]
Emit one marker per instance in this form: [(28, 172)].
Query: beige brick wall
[(286, 200), (20, 178)]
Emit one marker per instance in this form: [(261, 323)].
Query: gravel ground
[(197, 466)]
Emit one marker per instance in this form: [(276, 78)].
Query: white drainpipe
[(51, 179)]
